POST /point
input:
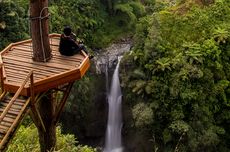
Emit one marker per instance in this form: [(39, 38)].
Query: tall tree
[(47, 138), (42, 53), (40, 30)]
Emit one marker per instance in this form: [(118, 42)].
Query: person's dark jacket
[(68, 46)]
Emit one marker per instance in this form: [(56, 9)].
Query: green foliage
[(184, 53), (88, 18), (129, 12), (80, 97), (12, 23), (91, 21), (142, 114), (83, 16), (26, 139)]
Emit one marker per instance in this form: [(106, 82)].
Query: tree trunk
[(46, 108), (42, 53), (110, 6), (40, 30)]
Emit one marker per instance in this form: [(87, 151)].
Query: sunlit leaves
[(179, 127), (138, 86), (221, 35), (26, 139), (3, 25), (142, 115), (163, 64)]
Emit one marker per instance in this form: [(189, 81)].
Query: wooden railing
[(15, 96), (2, 77)]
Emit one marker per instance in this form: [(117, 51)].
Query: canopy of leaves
[(184, 56), (12, 23)]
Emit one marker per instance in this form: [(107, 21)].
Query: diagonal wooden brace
[(62, 103)]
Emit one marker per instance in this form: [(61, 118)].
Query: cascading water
[(114, 124)]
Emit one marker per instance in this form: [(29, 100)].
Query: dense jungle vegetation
[(178, 76), (175, 80)]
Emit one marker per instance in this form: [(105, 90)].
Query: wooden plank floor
[(17, 62)]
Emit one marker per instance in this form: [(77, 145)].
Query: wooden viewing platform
[(17, 63), (19, 95)]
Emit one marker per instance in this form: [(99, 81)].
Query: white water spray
[(113, 133)]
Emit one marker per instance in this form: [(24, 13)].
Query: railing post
[(32, 88), (2, 78)]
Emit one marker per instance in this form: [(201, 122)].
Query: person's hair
[(67, 31)]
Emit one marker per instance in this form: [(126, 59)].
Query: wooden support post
[(36, 115), (63, 101)]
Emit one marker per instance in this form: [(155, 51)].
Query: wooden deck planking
[(28, 67), (12, 71), (16, 80), (37, 71), (18, 62), (34, 65), (26, 47), (56, 55), (53, 60), (30, 61)]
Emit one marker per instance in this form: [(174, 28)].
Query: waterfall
[(113, 133)]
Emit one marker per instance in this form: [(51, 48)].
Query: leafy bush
[(142, 115), (26, 139)]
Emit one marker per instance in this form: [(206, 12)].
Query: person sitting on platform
[(68, 45)]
